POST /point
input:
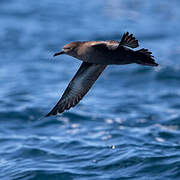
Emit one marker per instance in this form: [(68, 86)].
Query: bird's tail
[(144, 57)]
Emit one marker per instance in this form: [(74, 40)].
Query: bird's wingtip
[(45, 116)]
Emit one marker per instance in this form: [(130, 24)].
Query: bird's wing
[(78, 87), (105, 46), (129, 40), (111, 45)]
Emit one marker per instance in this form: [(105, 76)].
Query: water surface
[(128, 125)]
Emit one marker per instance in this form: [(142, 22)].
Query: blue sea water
[(126, 127)]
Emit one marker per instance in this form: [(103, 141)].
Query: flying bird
[(95, 56)]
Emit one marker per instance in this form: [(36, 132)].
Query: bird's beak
[(59, 53)]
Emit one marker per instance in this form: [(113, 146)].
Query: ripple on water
[(126, 127)]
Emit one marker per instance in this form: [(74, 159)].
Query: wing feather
[(83, 80), (129, 40)]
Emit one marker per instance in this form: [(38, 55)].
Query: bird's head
[(69, 49)]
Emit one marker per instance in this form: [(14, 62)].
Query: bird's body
[(104, 52), (96, 55)]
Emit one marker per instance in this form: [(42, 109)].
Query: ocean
[(126, 128)]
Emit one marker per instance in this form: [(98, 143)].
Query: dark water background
[(127, 127)]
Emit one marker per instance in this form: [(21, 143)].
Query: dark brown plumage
[(96, 55), (78, 87)]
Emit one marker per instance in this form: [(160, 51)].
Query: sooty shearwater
[(96, 55)]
